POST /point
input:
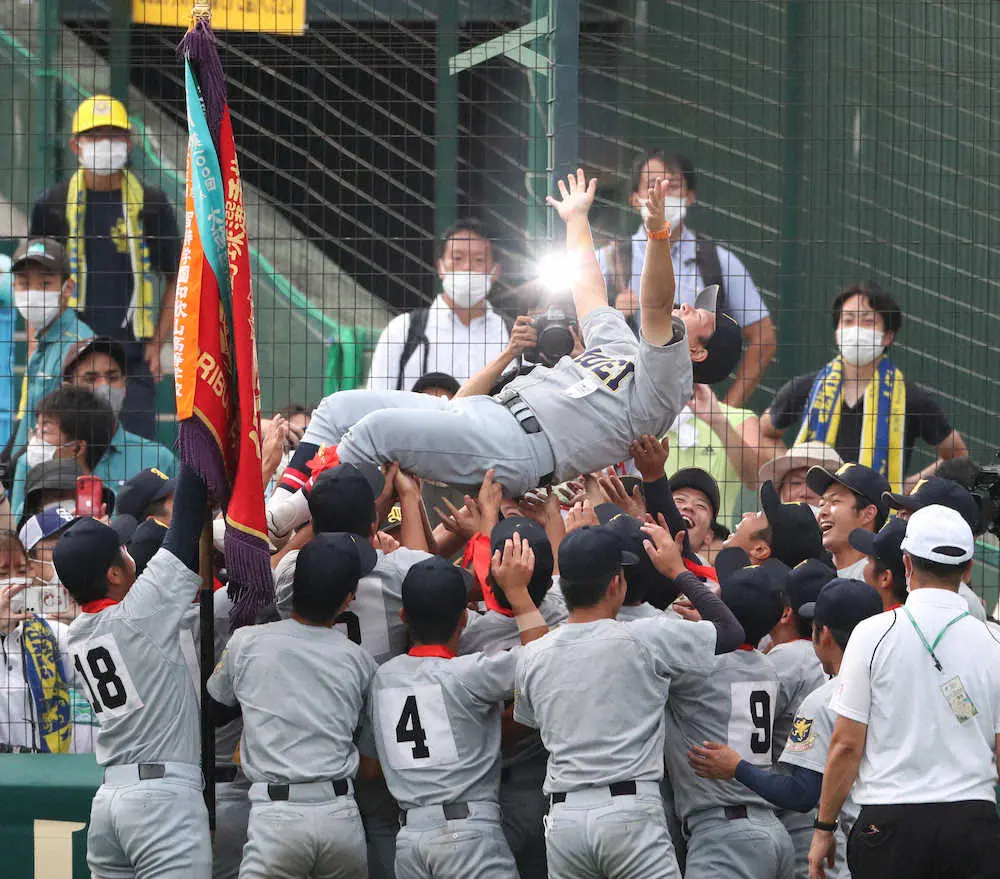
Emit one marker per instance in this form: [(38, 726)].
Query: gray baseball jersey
[(808, 741), (302, 690), (436, 725), (593, 406), (372, 620), (629, 613), (492, 631), (596, 692), (733, 703), (799, 673), (136, 677)]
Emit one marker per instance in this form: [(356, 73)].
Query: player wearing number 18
[(436, 720), (148, 817)]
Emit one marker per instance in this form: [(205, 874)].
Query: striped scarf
[(140, 309), (883, 420), (46, 679)]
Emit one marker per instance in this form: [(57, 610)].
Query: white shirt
[(456, 349), (917, 750), (855, 571)]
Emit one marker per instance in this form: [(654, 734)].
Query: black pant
[(926, 841), (138, 415)]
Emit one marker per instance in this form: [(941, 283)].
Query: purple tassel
[(247, 562), (196, 447), (200, 47)]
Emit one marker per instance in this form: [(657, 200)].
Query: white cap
[(939, 534), (807, 454)]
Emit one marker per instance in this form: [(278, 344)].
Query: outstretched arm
[(656, 289), (577, 195)]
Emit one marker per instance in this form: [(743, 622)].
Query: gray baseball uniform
[(522, 802), (148, 818), (596, 692), (629, 613), (302, 690), (799, 673), (436, 724), (808, 745), (730, 830), (589, 410)]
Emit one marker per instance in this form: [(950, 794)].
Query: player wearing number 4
[(731, 832), (148, 817), (302, 686), (435, 719)]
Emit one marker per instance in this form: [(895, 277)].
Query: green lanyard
[(937, 640)]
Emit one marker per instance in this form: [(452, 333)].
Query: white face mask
[(38, 307), (103, 156), (466, 289), (114, 397), (38, 451), (675, 209), (859, 345)]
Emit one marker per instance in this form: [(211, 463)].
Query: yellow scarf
[(141, 308), (46, 678), (883, 417)]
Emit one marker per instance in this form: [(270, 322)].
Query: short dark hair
[(879, 301), (320, 600), (962, 470), (157, 508), (466, 224), (82, 417), (292, 409), (862, 503), (839, 637), (898, 580), (671, 161), (434, 628), (950, 574), (586, 593)]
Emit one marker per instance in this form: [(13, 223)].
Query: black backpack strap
[(416, 335), (706, 257), (621, 268)]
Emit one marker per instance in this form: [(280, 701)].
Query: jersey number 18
[(109, 686)]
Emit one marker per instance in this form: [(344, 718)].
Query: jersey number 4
[(109, 685), (408, 729), (415, 730)]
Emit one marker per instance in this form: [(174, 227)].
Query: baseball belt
[(618, 789), (529, 424)]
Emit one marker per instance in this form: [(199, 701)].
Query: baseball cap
[(592, 552), (44, 252), (44, 524), (343, 498), (884, 545), (808, 454), (435, 588), (57, 474), (939, 534), (94, 345), (724, 346), (144, 542), (842, 604), (936, 490), (100, 111), (537, 539), (862, 480), (795, 533), (441, 380), (84, 552), (755, 596), (645, 583), (146, 487), (701, 480), (806, 580), (334, 556)]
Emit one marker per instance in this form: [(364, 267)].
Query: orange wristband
[(662, 235)]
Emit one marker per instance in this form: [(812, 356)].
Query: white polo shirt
[(917, 749), (456, 349)]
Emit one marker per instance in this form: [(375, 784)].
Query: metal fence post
[(446, 120)]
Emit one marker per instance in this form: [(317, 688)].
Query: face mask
[(38, 452), (859, 345), (113, 396), (466, 289), (103, 156), (675, 209), (38, 307)]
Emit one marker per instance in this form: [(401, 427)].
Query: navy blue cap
[(939, 491), (644, 582), (724, 347), (842, 604), (334, 556), (755, 596), (145, 541), (538, 540), (806, 580), (437, 380), (84, 552), (592, 552), (143, 489), (343, 498), (700, 480), (435, 589), (795, 533), (883, 545), (862, 480)]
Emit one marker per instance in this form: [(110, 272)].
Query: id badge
[(961, 705), (582, 388)]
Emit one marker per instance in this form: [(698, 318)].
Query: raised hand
[(653, 216), (650, 456), (490, 498), (512, 568), (663, 550), (614, 490), (463, 521), (581, 516), (522, 336), (577, 195)]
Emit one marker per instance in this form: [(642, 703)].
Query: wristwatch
[(660, 235), (828, 826)]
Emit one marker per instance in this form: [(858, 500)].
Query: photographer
[(559, 329)]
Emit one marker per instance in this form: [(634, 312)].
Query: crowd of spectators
[(743, 548)]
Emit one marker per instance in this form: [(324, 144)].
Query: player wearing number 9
[(148, 817), (725, 822)]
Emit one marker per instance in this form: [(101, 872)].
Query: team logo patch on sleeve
[(801, 737)]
